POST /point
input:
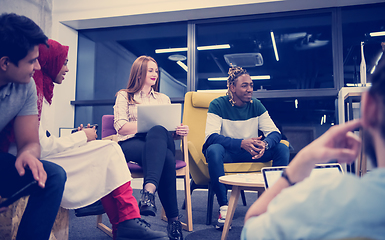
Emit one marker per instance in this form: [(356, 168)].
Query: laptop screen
[(166, 115), (272, 174)]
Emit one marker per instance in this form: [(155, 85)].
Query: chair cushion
[(135, 168), (180, 164), (108, 126), (203, 99)]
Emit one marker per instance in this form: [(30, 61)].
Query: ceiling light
[(168, 50), (217, 79), (377, 34), (177, 57), (358, 85), (184, 49), (182, 65), (375, 65), (261, 77), (274, 45), (373, 68), (213, 47), (296, 103)]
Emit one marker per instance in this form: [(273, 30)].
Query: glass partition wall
[(105, 57), (363, 30), (299, 61), (280, 53)]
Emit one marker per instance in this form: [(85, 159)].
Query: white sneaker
[(222, 217)]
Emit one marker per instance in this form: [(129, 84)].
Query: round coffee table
[(247, 181)]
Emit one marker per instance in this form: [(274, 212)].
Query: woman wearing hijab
[(96, 169)]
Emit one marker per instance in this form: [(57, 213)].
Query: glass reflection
[(294, 51)]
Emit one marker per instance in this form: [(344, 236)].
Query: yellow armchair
[(196, 105)]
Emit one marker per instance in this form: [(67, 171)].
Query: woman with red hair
[(153, 150)]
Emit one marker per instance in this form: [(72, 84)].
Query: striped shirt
[(229, 125), (125, 112)]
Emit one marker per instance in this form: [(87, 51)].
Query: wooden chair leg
[(243, 198), (187, 191), (102, 226), (188, 226), (193, 186), (60, 229)]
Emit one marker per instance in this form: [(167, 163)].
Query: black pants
[(43, 203), (155, 152)]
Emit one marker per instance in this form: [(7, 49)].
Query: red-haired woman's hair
[(137, 77)]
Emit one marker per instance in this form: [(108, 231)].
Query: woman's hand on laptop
[(182, 130)]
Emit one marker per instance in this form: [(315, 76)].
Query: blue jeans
[(216, 155), (43, 203)]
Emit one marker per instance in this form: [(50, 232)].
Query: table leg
[(230, 211)]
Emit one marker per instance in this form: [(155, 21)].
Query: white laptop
[(166, 115), (272, 174)]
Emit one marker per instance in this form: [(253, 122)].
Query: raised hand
[(338, 143)]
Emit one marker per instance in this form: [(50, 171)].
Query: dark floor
[(84, 228)]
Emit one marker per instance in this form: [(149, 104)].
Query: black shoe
[(147, 203), (174, 230), (138, 229), (93, 209)]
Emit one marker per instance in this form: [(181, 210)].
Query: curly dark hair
[(19, 35), (234, 73)]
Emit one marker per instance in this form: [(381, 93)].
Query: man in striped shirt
[(231, 133)]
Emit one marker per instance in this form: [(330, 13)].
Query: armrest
[(185, 150)]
